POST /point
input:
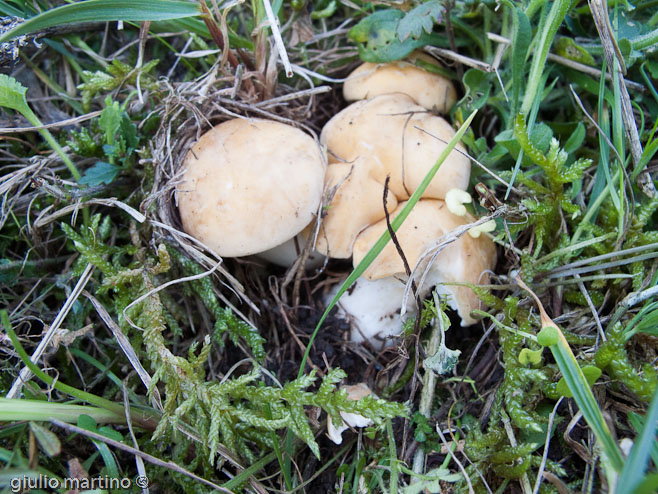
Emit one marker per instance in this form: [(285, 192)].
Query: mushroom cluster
[(253, 186), (390, 131)]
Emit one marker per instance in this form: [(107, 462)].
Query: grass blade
[(552, 337), (43, 411), (105, 11), (582, 394), (636, 464), (555, 17)]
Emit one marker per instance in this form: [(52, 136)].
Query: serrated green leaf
[(100, 173), (105, 11), (12, 94), (377, 38), (419, 19)]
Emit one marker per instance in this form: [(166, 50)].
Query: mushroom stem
[(373, 309)]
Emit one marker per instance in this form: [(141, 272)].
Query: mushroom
[(396, 137), (249, 185), (354, 392), (431, 91), (356, 204), (373, 309), (464, 260)]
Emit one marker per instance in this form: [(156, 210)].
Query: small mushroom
[(354, 392), (431, 91), (396, 137), (249, 185), (463, 260)]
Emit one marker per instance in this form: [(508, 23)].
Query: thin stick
[(580, 67), (61, 123), (129, 449), (429, 381), (126, 347), (455, 459), (281, 48), (26, 374), (548, 441)]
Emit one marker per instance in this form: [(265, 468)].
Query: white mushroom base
[(373, 309)]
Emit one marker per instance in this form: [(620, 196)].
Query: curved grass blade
[(105, 11), (552, 337)]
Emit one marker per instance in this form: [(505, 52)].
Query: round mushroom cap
[(397, 137), (431, 91), (465, 260), (357, 203), (249, 185)]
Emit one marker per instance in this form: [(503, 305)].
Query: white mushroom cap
[(249, 185), (466, 260), (429, 90), (399, 138), (373, 309), (354, 392), (356, 204)]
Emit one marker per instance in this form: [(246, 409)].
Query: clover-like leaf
[(419, 19)]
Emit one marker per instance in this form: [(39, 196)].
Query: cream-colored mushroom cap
[(429, 90), (357, 203), (397, 137), (249, 185), (466, 260)]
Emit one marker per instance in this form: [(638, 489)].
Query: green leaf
[(591, 373), (110, 119), (12, 94), (520, 42), (110, 433), (48, 440), (429, 482), (478, 88), (582, 393), (87, 423), (530, 357), (377, 38), (548, 336), (575, 139), (100, 173), (567, 48), (105, 11), (420, 19)]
